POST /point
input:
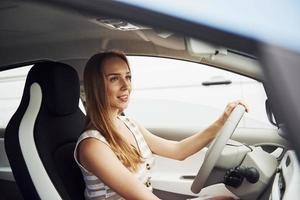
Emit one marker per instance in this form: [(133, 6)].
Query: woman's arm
[(99, 159), (187, 147)]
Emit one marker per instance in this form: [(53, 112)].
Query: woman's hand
[(230, 107)]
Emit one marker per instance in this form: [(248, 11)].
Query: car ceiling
[(31, 31)]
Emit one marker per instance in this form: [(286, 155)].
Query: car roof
[(36, 31)]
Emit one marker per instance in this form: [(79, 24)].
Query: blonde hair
[(97, 107)]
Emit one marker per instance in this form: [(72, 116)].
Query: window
[(172, 94), (11, 86), (166, 93)]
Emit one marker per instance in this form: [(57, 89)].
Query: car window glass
[(171, 93), (166, 92), (11, 86)]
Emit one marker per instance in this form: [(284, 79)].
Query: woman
[(115, 152)]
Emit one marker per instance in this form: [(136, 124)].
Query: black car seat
[(41, 135)]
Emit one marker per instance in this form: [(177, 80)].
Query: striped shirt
[(97, 190)]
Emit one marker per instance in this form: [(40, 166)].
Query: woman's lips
[(123, 98)]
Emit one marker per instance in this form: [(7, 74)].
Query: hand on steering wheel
[(230, 107), (218, 144)]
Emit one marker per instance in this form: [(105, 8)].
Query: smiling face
[(118, 83)]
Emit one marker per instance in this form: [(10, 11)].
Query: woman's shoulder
[(92, 134), (84, 146)]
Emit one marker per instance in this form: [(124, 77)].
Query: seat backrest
[(41, 135)]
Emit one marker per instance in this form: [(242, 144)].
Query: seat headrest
[(59, 84)]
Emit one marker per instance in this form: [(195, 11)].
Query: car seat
[(41, 135)]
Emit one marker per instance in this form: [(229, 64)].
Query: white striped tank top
[(95, 189)]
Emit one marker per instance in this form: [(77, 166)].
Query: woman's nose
[(125, 84)]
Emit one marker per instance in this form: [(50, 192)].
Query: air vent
[(118, 24)]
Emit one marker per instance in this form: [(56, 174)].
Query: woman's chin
[(122, 108)]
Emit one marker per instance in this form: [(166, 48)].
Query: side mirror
[(270, 113), (281, 126)]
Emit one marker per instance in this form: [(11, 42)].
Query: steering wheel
[(216, 147)]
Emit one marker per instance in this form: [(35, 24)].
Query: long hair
[(97, 106)]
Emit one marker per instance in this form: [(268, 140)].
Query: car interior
[(57, 38)]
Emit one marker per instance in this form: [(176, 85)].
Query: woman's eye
[(128, 77), (114, 78)]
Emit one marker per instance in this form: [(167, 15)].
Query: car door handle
[(220, 82), (188, 177)]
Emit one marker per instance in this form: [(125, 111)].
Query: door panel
[(8, 186), (5, 171)]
